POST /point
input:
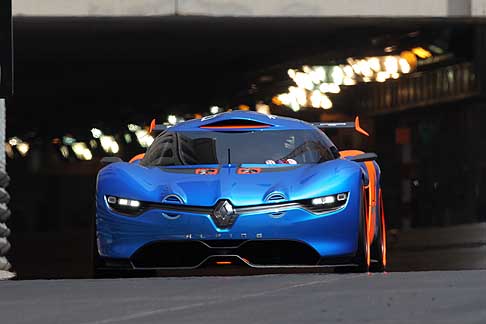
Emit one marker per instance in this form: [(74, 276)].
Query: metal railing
[(445, 84)]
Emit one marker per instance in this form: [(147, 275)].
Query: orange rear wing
[(154, 127), (337, 125)]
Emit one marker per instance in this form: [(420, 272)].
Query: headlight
[(327, 203), (124, 205)]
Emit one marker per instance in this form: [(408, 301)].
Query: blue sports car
[(241, 188)]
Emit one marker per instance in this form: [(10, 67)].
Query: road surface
[(409, 297)]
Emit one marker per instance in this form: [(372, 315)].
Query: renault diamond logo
[(224, 215)]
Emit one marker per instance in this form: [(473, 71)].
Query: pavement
[(461, 247), (395, 297)]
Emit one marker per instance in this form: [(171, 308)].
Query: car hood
[(275, 183)]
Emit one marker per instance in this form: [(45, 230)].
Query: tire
[(4, 230), (4, 179), (4, 264), (4, 196), (378, 249), (4, 213), (362, 258), (4, 246)]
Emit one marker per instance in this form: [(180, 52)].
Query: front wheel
[(362, 258), (378, 249)]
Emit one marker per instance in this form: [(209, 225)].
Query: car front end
[(309, 224)]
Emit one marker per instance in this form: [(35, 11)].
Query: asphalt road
[(412, 297)]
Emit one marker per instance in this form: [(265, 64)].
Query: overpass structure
[(253, 8)]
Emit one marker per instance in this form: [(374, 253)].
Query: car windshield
[(246, 147)]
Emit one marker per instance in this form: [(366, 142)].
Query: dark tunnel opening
[(76, 74)]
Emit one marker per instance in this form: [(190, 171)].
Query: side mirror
[(335, 152), (363, 157), (110, 159)]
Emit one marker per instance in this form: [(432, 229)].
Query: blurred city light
[(326, 103), (329, 88), (404, 66), (23, 148), (313, 83), (421, 52), (172, 119), (96, 132), (133, 128), (382, 76), (144, 138), (114, 148), (93, 143), (64, 151), (214, 110), (14, 141), (68, 140), (82, 151), (262, 108), (109, 144), (316, 99), (391, 64)]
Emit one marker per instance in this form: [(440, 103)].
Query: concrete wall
[(325, 8), (94, 7), (315, 7), (478, 7)]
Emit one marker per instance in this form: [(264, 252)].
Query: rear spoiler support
[(154, 127), (338, 125)]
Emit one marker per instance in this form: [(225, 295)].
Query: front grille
[(277, 252), (169, 254), (223, 243), (191, 254)]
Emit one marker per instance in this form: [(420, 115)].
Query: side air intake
[(172, 199), (275, 197)]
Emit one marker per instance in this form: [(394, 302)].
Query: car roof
[(273, 122)]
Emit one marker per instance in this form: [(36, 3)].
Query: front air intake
[(236, 123)]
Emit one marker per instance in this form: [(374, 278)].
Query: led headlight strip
[(319, 205), (124, 205), (328, 203)]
